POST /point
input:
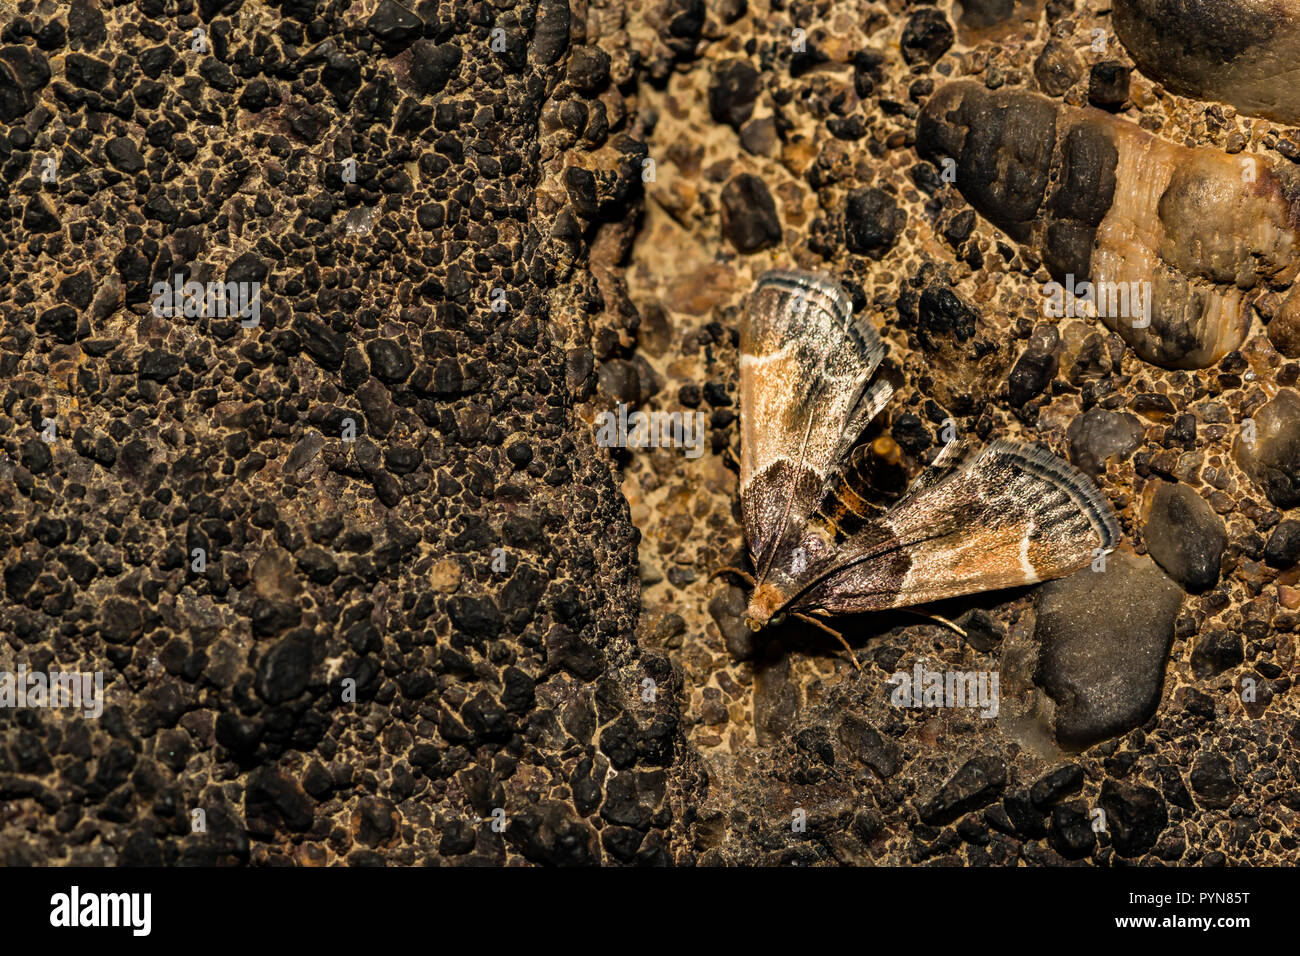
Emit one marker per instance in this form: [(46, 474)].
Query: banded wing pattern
[(805, 397), (1013, 515)]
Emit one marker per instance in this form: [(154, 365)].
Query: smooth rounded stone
[(1099, 436), (1241, 52), (1283, 547), (733, 89), (749, 219), (1271, 455), (1284, 328), (1104, 638), (1184, 536), (872, 221)]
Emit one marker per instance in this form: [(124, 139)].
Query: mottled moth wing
[(1011, 516), (805, 366)]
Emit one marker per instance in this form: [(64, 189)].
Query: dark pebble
[(733, 89), (1108, 84), (1216, 651), (1104, 687), (1283, 548), (872, 221), (1098, 436), (926, 37), (1185, 536), (979, 782), (749, 219)]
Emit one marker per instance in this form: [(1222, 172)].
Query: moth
[(1011, 515)]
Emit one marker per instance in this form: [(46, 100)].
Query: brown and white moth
[(1012, 515)]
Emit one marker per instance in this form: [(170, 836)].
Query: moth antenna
[(744, 575), (935, 618), (728, 453), (834, 633)]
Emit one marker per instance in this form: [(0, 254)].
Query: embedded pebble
[(1103, 687), (1185, 536)]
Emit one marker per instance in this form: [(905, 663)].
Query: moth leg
[(935, 618), (743, 575), (836, 634)]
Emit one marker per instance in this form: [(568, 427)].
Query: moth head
[(765, 604)]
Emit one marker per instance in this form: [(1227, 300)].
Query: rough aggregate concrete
[(519, 635)]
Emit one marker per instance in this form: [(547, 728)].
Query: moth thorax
[(764, 602)]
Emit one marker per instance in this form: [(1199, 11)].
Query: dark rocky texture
[(521, 636), (927, 35), (1035, 368), (1108, 85), (732, 92), (394, 631), (1057, 68), (872, 222)]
